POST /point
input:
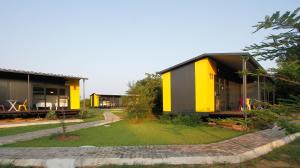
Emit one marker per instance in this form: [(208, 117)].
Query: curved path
[(234, 150), (108, 118)]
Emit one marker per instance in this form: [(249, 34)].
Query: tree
[(284, 47), (144, 97)]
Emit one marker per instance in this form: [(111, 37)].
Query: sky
[(115, 42)]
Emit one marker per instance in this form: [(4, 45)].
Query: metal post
[(273, 94), (83, 92), (244, 86), (264, 89), (28, 92), (258, 87)]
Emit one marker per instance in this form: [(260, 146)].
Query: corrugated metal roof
[(40, 73), (252, 60), (107, 94)]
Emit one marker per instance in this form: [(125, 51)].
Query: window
[(38, 91), (51, 91), (62, 92)]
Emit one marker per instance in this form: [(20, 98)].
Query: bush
[(165, 119), (237, 124), (230, 121), (188, 120), (51, 115), (84, 114), (262, 119), (292, 104), (289, 127), (145, 97)]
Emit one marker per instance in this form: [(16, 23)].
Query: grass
[(289, 153), (93, 115), (145, 133)]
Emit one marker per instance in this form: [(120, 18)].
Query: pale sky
[(113, 42)]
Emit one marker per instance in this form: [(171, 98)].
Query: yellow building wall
[(166, 88), (74, 95), (96, 100), (205, 72)]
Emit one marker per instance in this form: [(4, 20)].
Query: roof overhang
[(68, 77), (107, 94), (231, 60)]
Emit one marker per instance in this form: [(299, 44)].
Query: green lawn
[(93, 115), (145, 133)]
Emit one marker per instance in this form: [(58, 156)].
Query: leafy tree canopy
[(145, 97), (283, 46)]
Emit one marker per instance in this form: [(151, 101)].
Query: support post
[(244, 86), (83, 92), (265, 89), (28, 92), (273, 94), (258, 87)]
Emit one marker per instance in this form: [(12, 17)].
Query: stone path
[(30, 123), (234, 150), (109, 118)]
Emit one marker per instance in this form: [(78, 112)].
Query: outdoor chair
[(24, 106), (2, 107)]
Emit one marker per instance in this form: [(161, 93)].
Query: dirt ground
[(67, 137)]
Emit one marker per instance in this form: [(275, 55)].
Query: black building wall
[(15, 86), (183, 89)]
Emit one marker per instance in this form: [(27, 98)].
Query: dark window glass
[(62, 92), (51, 91), (38, 91)]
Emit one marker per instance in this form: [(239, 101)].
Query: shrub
[(51, 115), (229, 121), (188, 120), (145, 97), (191, 120), (262, 119), (289, 127), (84, 114), (165, 119), (280, 109), (292, 103)]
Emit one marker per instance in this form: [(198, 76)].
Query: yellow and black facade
[(207, 83), (105, 101), (94, 100), (41, 91)]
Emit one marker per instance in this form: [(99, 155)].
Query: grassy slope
[(148, 132)]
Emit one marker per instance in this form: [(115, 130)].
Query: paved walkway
[(234, 150), (30, 123), (108, 118)]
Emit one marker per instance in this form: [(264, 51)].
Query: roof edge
[(41, 74), (207, 55)]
